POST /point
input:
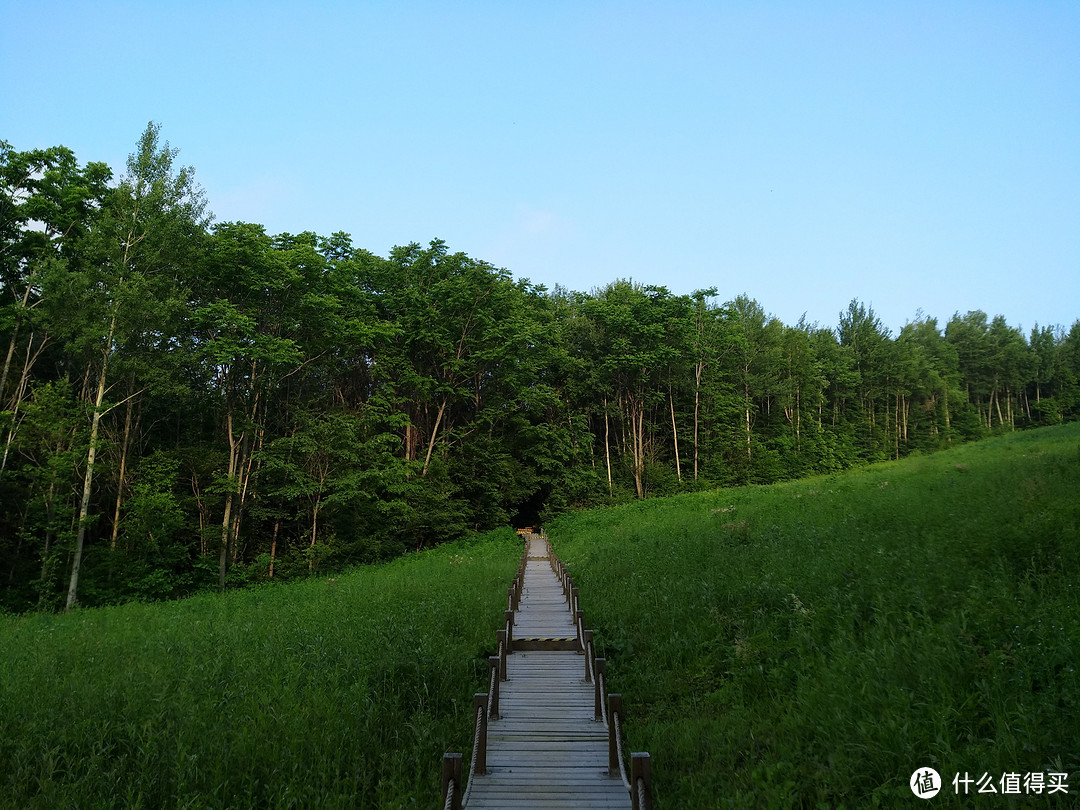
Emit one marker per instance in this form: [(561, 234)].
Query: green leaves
[(318, 396)]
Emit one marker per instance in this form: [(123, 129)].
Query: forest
[(188, 405)]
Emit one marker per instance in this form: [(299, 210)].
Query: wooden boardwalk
[(546, 749)]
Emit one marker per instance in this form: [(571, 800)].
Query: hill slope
[(813, 643), (328, 693)]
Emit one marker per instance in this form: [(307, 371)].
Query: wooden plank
[(546, 750)]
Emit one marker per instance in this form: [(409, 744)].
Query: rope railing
[(616, 732), (608, 707), (477, 767), (493, 689), (485, 705)]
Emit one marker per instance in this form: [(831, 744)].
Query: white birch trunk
[(88, 478), (675, 436)]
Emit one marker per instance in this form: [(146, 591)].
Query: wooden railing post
[(495, 678), (599, 668), (606, 706), (614, 707), (480, 700), (500, 638), (640, 772), (451, 773), (587, 635)]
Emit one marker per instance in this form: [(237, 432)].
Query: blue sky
[(912, 155)]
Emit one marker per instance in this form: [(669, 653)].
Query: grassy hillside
[(813, 643), (808, 644), (329, 693)]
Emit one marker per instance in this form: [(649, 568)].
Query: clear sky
[(913, 155)]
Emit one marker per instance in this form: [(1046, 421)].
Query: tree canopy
[(189, 405)]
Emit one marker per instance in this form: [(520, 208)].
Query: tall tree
[(144, 236), (47, 205), (866, 338), (246, 327)]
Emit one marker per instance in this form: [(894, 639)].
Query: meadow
[(808, 644), (812, 644), (339, 692)]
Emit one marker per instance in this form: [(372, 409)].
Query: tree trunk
[(234, 451), (746, 404), (273, 547), (896, 425), (48, 530), (675, 436), (798, 417), (697, 400), (88, 478), (7, 361), (314, 530), (246, 476), (123, 474), (607, 449), (948, 418), (14, 337), (241, 454), (20, 394), (434, 434), (636, 411), (204, 512)]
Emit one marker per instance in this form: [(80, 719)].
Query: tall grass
[(808, 644), (813, 643), (330, 693)]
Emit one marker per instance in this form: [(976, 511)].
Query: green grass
[(803, 645), (328, 693), (811, 644)]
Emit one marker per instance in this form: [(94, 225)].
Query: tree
[(47, 205), (143, 237), (633, 331), (706, 345), (862, 333), (248, 296), (935, 373), (1046, 376)]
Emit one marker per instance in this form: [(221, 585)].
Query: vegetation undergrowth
[(812, 644), (340, 692)]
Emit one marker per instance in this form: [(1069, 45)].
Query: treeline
[(188, 405)]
